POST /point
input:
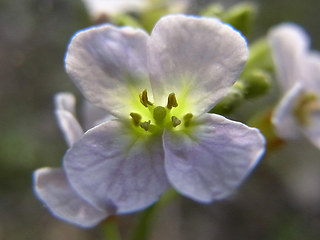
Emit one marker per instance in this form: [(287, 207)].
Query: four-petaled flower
[(159, 88), (298, 71)]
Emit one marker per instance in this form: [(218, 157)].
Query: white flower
[(51, 184), (298, 71), (113, 7), (159, 89)]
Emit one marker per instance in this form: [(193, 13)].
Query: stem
[(111, 231), (143, 227)]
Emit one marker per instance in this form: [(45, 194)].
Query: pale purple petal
[(113, 162), (289, 44), (53, 189), (108, 64), (69, 126), (65, 101), (65, 114), (283, 119), (212, 159), (200, 58), (92, 115)]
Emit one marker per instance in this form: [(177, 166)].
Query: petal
[(200, 57), (283, 119), (65, 101), (65, 111), (312, 129), (289, 43), (108, 64), (69, 126), (311, 72), (114, 162), (213, 159), (53, 189), (92, 115)]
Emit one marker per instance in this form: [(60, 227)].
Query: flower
[(298, 71), (159, 88), (113, 7), (51, 184)]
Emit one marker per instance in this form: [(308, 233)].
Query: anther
[(144, 98), (187, 119), (172, 101), (175, 121), (145, 125), (136, 118)]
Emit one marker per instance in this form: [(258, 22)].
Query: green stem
[(111, 231), (144, 224), (143, 227)]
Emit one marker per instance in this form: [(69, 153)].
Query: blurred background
[(279, 200)]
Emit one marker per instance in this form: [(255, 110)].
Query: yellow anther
[(175, 121), (145, 125), (136, 118), (144, 98), (187, 119), (172, 101)]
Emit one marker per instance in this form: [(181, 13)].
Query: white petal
[(65, 101), (200, 57), (289, 44), (108, 64), (213, 159), (113, 162), (65, 114), (69, 126), (283, 119), (311, 72), (53, 189), (92, 115), (312, 129)]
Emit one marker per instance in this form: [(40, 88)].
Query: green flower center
[(159, 117)]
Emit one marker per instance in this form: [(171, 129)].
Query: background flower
[(298, 71)]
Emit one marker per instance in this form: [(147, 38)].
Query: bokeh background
[(279, 200)]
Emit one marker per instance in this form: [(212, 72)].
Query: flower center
[(160, 117), (306, 104)]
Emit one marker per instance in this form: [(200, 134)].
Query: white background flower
[(298, 70)]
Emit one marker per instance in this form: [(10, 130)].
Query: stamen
[(144, 98), (187, 119), (145, 125), (136, 118), (175, 121), (172, 101), (159, 114)]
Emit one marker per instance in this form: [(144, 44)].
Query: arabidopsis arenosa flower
[(113, 7), (159, 88), (298, 70), (110, 8), (51, 184)]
